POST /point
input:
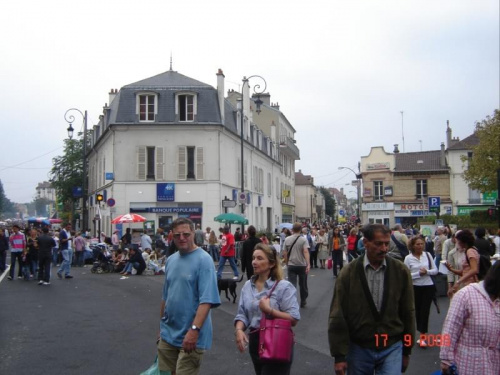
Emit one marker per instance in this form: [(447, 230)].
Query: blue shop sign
[(165, 192), (168, 210)]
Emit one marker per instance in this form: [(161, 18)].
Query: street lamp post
[(358, 189), (70, 119), (239, 107)]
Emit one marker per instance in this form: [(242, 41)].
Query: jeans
[(34, 268), (55, 255), (13, 256), (222, 263), (136, 265), (300, 271), (438, 260), (213, 250), (361, 361), (44, 266), (79, 258), (338, 260), (66, 263)]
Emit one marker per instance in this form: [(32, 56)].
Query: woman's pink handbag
[(329, 263), (275, 338)]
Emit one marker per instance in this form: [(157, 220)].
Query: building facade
[(396, 186), (169, 146), (464, 198)]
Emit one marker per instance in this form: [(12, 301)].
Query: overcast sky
[(342, 71)]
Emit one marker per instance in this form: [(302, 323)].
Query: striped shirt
[(473, 326), (375, 279), (17, 242)]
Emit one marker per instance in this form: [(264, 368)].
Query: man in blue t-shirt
[(189, 292)]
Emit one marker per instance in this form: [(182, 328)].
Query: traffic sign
[(242, 197), (227, 203), (434, 204), (341, 212), (111, 202)]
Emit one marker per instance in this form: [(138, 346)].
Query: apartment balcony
[(288, 147)]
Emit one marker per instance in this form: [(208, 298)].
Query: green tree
[(7, 208), (41, 206), (67, 172), (329, 202), (481, 173)]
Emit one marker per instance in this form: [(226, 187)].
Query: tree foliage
[(7, 208), (67, 171), (329, 201), (482, 169)]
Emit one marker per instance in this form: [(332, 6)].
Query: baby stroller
[(102, 262)]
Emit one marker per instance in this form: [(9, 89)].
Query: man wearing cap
[(227, 252), (17, 242), (371, 326), (189, 292)]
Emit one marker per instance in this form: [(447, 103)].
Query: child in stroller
[(102, 262)]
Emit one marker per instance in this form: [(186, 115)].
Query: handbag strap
[(272, 289), (291, 247), (429, 259)]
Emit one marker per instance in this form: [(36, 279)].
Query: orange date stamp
[(439, 340)]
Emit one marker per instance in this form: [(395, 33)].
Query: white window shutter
[(200, 175), (245, 174), (141, 162), (238, 181), (181, 163), (256, 178), (160, 164)]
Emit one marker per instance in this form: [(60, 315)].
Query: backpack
[(403, 250), (484, 264)]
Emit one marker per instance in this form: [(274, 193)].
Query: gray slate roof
[(170, 79), (426, 161), (466, 143)]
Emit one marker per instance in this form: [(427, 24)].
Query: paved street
[(100, 324)]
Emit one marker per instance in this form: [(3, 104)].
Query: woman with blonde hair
[(255, 300), (213, 246)]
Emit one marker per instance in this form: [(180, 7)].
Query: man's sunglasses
[(185, 235)]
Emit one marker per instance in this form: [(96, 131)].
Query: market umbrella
[(128, 218), (286, 225), (38, 220), (231, 218)]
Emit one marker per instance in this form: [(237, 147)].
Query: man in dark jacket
[(4, 246), (45, 245), (372, 316), (247, 251), (135, 261)]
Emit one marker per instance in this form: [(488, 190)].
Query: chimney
[(396, 149), (265, 97), (442, 158), (220, 93), (275, 105), (112, 95), (448, 134)]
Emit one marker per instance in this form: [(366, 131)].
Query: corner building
[(169, 146)]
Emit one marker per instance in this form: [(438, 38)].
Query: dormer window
[(185, 107), (147, 105)]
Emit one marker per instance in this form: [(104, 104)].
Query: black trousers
[(264, 368), (13, 257), (44, 262), (337, 260), (3, 255), (313, 258), (300, 271), (423, 300)]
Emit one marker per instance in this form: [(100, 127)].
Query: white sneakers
[(235, 278)]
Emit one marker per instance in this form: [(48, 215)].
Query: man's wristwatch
[(195, 328)]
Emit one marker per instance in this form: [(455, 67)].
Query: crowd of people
[(384, 288)]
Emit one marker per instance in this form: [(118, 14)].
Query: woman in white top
[(421, 266)]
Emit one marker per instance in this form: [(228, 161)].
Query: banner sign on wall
[(165, 192)]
